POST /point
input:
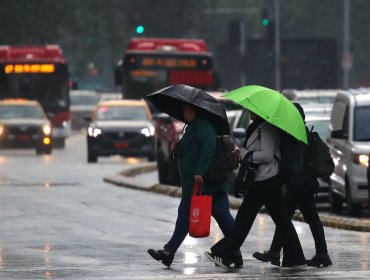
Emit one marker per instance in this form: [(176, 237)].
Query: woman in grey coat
[(262, 151)]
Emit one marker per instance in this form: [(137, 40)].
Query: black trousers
[(266, 193), (306, 204)]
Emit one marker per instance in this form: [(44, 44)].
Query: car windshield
[(361, 126), (137, 113), (320, 126), (20, 112), (84, 99)]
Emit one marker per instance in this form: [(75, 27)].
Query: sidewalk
[(127, 179)]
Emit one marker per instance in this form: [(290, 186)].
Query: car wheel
[(336, 203), (173, 174), (162, 167), (91, 157), (151, 157), (38, 151), (354, 209)]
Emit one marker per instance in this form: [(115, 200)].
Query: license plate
[(120, 145), (23, 137)]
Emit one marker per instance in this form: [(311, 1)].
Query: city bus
[(38, 73), (153, 63)]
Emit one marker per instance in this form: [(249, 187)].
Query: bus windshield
[(50, 89)]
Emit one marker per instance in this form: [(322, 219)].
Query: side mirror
[(339, 134)]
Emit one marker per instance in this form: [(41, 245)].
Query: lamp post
[(347, 56), (277, 44)]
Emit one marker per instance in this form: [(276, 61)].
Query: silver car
[(349, 143)]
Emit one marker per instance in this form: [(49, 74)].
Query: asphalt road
[(59, 220)]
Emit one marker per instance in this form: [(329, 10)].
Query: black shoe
[(320, 260), (162, 255), (268, 256), (219, 261), (238, 262)]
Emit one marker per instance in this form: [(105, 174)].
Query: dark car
[(121, 127), (83, 103), (23, 124)]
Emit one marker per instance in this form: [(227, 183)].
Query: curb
[(126, 179)]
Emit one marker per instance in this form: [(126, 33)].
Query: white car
[(349, 142)]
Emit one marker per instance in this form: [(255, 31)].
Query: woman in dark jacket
[(196, 149), (262, 150)]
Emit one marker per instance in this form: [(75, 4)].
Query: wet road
[(59, 220)]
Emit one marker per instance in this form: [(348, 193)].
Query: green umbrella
[(272, 106)]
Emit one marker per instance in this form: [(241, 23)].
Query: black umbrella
[(171, 100)]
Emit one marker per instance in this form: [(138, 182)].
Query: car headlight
[(362, 160), (46, 129), (2, 129), (148, 131), (93, 131)]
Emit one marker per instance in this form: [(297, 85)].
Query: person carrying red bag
[(195, 151)]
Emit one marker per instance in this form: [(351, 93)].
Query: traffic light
[(140, 29), (265, 19), (268, 25)]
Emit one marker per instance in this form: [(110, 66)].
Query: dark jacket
[(196, 152), (303, 181)]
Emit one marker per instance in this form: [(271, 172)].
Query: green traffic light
[(140, 29), (265, 22)]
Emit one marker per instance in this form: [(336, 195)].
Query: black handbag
[(246, 174)]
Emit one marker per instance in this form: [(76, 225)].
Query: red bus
[(152, 63), (38, 73)]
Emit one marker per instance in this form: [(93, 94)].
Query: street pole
[(277, 40), (242, 47), (347, 58)]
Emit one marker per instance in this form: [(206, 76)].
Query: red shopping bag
[(200, 214)]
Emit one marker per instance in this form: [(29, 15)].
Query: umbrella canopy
[(271, 106), (171, 100)]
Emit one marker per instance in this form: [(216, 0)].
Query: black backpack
[(292, 154), (319, 157), (224, 162)]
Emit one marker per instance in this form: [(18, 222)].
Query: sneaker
[(268, 256), (293, 267), (218, 260), (320, 260), (162, 255)]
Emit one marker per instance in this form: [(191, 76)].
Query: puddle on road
[(39, 184)]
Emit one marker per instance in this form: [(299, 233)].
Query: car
[(121, 127), (239, 126), (110, 96), (83, 103), (317, 108), (311, 96), (320, 124), (24, 124), (349, 142)]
